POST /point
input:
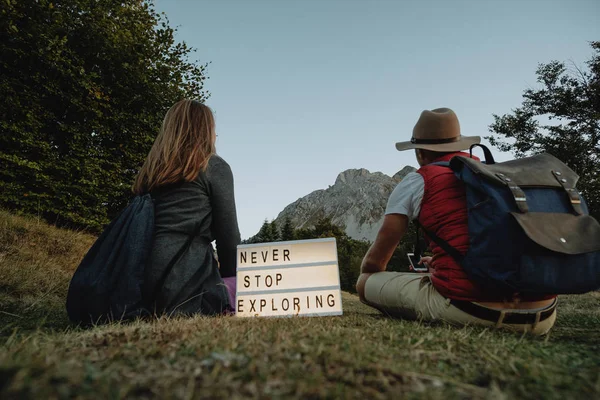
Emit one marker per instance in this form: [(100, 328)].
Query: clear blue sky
[(305, 89)]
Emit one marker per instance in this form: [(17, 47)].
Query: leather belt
[(519, 317)]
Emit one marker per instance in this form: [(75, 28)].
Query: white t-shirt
[(407, 196)]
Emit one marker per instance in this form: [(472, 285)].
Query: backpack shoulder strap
[(441, 164), (447, 247)]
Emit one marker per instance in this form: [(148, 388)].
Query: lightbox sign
[(288, 278)]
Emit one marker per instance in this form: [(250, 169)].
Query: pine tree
[(275, 234), (287, 231), (263, 235)]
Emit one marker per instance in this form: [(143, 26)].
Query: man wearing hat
[(436, 198)]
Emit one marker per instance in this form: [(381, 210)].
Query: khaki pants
[(411, 295)]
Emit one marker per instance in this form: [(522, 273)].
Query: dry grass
[(36, 264), (359, 355)]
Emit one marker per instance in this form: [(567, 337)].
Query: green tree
[(267, 233), (304, 233), (263, 234), (85, 85), (562, 117), (399, 260), (287, 230), (275, 234), (350, 256), (324, 227)]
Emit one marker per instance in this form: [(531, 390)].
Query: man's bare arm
[(376, 260), (389, 235)]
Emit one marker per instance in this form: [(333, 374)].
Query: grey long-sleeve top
[(205, 205)]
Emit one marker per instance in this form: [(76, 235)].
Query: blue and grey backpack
[(529, 228), (107, 285)]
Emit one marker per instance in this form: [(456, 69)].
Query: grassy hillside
[(359, 355), (36, 264)]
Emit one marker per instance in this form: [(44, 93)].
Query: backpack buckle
[(517, 192), (573, 194), (519, 196)]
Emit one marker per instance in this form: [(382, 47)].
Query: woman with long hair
[(192, 189)]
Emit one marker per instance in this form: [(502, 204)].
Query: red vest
[(444, 211)]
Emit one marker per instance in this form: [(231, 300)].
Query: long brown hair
[(182, 148)]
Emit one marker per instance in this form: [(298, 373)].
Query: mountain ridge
[(356, 202)]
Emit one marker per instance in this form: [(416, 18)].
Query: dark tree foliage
[(562, 117), (85, 85), (287, 230), (268, 233), (274, 232), (399, 261)]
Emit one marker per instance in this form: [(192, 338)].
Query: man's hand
[(389, 235), (425, 260)]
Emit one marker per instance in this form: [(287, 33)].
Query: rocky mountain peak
[(351, 175), (398, 176), (356, 202)]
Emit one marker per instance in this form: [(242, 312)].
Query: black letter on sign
[(243, 258), (265, 254), (297, 303), (286, 254), (269, 280), (246, 281), (240, 304), (319, 300), (257, 284), (263, 303), (275, 255), (330, 300), (253, 257), (273, 305), (285, 304), (252, 304), (278, 279)]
